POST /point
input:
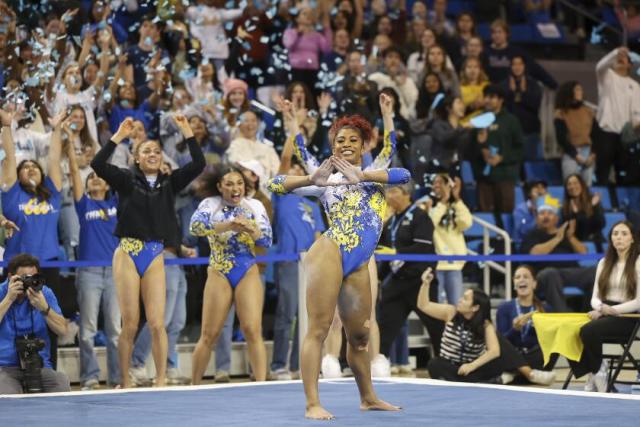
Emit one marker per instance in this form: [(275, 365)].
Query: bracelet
[(45, 313)]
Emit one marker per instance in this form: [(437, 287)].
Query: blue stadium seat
[(522, 33), (611, 218), (628, 196), (520, 196), (507, 222), (548, 171), (467, 173), (476, 230), (572, 291), (591, 249), (605, 197), (456, 7)]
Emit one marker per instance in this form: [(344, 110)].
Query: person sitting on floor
[(513, 319), (471, 350)]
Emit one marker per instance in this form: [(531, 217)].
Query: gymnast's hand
[(321, 176), (352, 174), (465, 369)]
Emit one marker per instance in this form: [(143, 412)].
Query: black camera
[(33, 281), (28, 348)]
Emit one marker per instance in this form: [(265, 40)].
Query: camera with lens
[(33, 281), (28, 348)]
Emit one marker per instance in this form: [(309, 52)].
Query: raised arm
[(55, 152), (290, 117), (187, 173), (76, 180), (444, 312), (9, 171), (383, 159), (117, 178)]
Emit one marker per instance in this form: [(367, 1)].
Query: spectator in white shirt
[(619, 104)]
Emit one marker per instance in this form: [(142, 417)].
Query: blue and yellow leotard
[(355, 212), (232, 254), (142, 253)]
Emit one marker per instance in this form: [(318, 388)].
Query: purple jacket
[(305, 49)]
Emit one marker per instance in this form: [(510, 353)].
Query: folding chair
[(625, 361), (618, 362)]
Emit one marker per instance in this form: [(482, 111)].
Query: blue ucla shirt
[(97, 224), (37, 219), (22, 312), (296, 222)]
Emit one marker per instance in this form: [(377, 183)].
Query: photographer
[(27, 309)]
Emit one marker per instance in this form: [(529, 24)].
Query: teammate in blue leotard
[(336, 265), (234, 225)]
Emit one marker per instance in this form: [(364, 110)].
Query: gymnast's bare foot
[(378, 405), (317, 412)]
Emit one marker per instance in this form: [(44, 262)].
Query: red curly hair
[(355, 122)]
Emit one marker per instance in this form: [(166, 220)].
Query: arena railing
[(487, 227)]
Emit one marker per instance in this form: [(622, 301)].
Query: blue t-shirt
[(97, 224), (37, 220), (22, 313), (143, 112), (297, 219)]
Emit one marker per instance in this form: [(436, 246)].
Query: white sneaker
[(222, 377), (395, 370), (380, 366), (507, 377), (405, 370), (139, 376), (174, 377), (282, 374), (92, 384), (542, 377), (590, 385), (330, 367), (600, 381)]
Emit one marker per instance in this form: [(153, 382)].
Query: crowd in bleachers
[(73, 71)]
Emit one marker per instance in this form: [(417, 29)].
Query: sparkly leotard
[(232, 253), (355, 212)]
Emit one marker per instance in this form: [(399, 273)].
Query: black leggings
[(509, 360), (593, 334), (399, 297)]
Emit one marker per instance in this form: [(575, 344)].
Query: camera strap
[(15, 324)]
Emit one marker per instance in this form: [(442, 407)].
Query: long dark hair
[(477, 322), (425, 99), (40, 191), (584, 199), (565, 99), (611, 259), (309, 102), (211, 180), (537, 304), (86, 140)]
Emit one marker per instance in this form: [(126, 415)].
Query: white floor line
[(395, 380)]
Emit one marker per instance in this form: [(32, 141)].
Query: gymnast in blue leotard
[(333, 343), (336, 265), (146, 222), (234, 225)]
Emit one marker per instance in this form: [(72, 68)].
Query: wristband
[(398, 176), (45, 313)]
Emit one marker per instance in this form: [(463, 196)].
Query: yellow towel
[(560, 333)]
